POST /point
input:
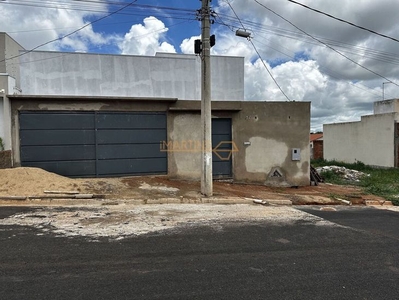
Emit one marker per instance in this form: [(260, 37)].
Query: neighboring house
[(373, 140), (316, 146), (9, 84), (96, 115)]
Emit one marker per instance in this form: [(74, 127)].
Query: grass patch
[(381, 182)]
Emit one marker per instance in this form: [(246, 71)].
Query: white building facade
[(373, 140)]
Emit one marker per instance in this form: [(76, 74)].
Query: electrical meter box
[(296, 154)]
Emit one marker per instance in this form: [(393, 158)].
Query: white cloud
[(187, 45), (297, 80), (145, 40), (32, 26)]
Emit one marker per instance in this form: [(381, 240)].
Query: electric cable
[(260, 57), (328, 71), (344, 21), (328, 46), (367, 52), (69, 34), (67, 53), (230, 22), (378, 55), (99, 8)]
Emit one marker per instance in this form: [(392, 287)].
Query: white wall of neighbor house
[(9, 48), (370, 141), (1, 117), (7, 83), (386, 106), (3, 92), (163, 75)]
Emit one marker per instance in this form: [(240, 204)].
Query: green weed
[(381, 182)]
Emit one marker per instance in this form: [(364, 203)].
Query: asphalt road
[(358, 260)]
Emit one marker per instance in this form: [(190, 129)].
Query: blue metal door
[(94, 144), (222, 146)]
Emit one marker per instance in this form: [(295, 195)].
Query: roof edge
[(90, 98)]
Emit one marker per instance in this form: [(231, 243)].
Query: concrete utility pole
[(206, 111)]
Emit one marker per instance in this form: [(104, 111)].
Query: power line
[(327, 45), (382, 56), (267, 69), (329, 72), (67, 53), (257, 52), (344, 21), (71, 33), (89, 6), (160, 12)]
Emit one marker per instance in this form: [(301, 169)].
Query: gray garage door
[(222, 147), (94, 144)]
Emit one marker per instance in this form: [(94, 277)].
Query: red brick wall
[(317, 149)]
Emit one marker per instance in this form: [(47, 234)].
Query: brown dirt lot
[(34, 181)]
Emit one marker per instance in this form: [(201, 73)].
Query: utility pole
[(206, 110)]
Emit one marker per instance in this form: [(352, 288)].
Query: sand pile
[(34, 181)]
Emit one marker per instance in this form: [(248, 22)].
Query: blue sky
[(341, 84), (180, 23)]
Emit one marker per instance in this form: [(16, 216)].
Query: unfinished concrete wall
[(167, 75), (185, 129), (370, 141), (265, 134)]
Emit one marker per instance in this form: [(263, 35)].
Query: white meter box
[(296, 154)]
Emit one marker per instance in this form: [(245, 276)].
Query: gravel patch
[(120, 221)]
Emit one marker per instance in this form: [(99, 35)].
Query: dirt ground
[(34, 182), (117, 217)]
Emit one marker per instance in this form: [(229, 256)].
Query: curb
[(102, 202), (377, 203)]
